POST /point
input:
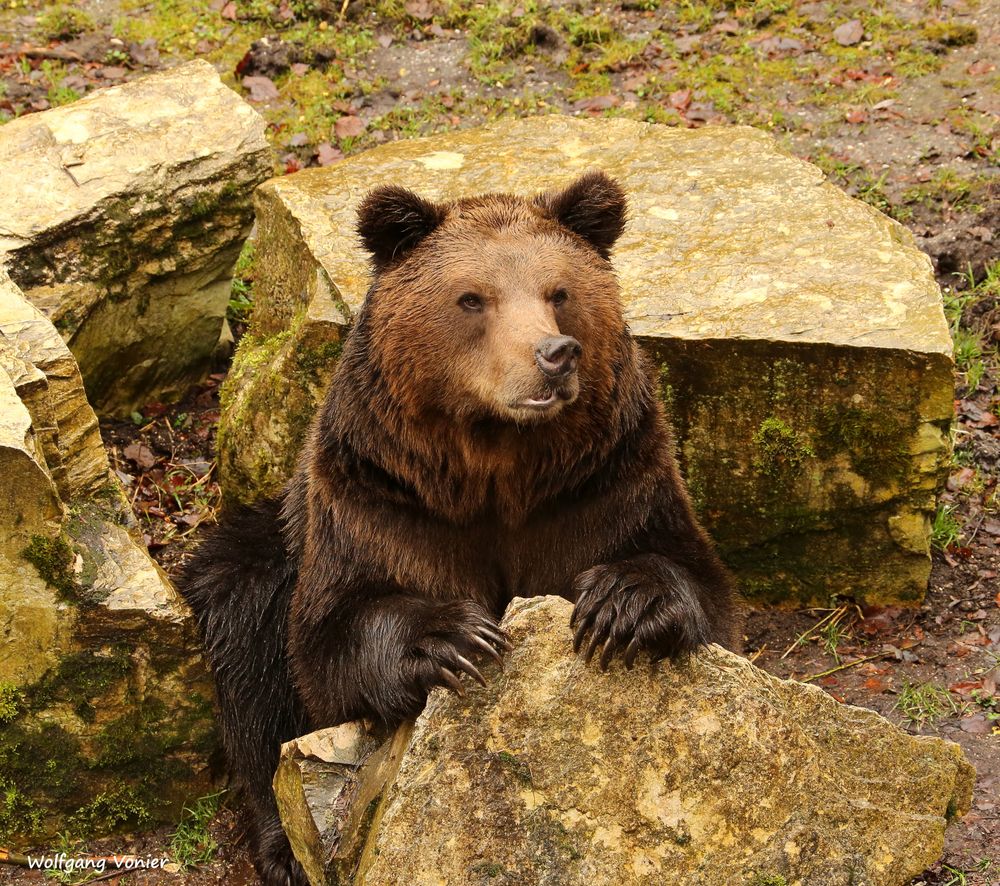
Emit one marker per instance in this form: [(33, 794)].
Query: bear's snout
[(557, 356)]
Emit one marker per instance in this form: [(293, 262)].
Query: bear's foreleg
[(378, 657)]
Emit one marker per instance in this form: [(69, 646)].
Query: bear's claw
[(647, 604), (445, 651)]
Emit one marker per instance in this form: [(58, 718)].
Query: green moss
[(768, 880), (18, 814), (666, 390), (951, 812), (951, 33), (42, 761), (310, 360), (136, 736), (488, 869), (121, 805), (878, 447), (780, 451), (54, 559), (81, 679), (11, 700)]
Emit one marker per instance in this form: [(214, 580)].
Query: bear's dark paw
[(275, 863), (454, 635), (644, 605)]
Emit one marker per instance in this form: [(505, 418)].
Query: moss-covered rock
[(124, 214), (798, 334), (702, 773), (105, 703)]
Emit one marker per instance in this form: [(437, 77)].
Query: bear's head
[(496, 306)]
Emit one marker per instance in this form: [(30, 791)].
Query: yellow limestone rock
[(100, 669), (798, 335), (124, 213), (705, 773)]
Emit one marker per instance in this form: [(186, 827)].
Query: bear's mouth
[(547, 399)]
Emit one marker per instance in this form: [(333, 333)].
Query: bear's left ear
[(392, 220), (594, 207)]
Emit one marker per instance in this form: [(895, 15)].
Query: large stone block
[(798, 334), (124, 214), (707, 773), (105, 702)]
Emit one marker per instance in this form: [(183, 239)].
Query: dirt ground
[(897, 101)]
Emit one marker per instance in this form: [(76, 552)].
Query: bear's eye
[(559, 297), (470, 302)]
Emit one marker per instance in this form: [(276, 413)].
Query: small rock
[(849, 33)]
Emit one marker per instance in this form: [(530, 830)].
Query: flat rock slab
[(101, 674), (798, 335), (712, 772), (124, 213)]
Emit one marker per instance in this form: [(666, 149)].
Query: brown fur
[(429, 494)]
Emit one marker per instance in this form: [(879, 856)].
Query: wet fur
[(413, 519)]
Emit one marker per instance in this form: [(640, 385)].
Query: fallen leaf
[(976, 725), (327, 154), (849, 33), (419, 9), (857, 116), (229, 11), (965, 687), (726, 26), (262, 89), (141, 454), (349, 127), (680, 99), (597, 103), (990, 681), (299, 69), (960, 479), (874, 684), (980, 67)]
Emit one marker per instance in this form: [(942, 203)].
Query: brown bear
[(491, 431)]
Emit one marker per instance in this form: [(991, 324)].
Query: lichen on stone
[(780, 450)]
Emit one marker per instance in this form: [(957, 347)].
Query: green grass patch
[(946, 529), (924, 703), (63, 22), (193, 844)]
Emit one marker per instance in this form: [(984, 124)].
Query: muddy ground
[(897, 101)]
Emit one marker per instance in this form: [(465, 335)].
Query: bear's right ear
[(392, 220), (593, 207)]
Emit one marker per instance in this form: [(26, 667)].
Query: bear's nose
[(557, 355)]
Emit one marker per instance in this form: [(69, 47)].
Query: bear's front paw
[(454, 635), (643, 605)]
